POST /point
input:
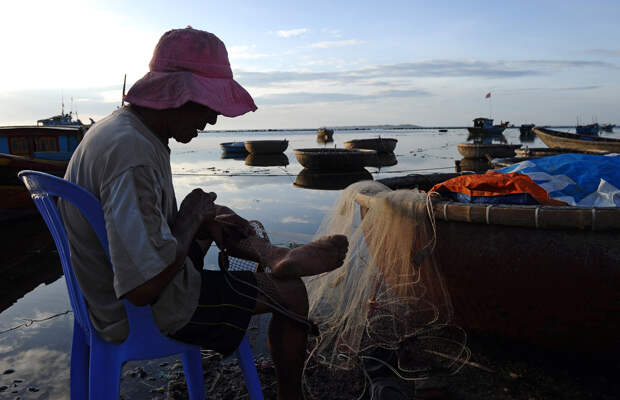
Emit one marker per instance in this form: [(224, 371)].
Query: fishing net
[(389, 294)]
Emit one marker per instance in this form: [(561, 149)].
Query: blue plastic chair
[(96, 364)]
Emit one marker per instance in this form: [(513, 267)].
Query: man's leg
[(287, 339)]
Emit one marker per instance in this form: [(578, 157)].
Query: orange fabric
[(496, 184)]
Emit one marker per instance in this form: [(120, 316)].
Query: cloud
[(305, 97), (243, 53), (603, 52), (335, 43), (291, 32), (421, 69)]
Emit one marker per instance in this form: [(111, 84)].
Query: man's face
[(188, 119)]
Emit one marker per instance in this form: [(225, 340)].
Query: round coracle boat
[(266, 146), (380, 145), (535, 274), (382, 160), (477, 150), (333, 159)]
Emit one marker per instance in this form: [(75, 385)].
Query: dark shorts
[(223, 313)]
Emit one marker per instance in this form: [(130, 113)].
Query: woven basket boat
[(333, 159), (266, 146), (328, 180), (380, 145), (478, 150), (543, 275)]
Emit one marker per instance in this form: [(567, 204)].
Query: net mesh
[(389, 294)]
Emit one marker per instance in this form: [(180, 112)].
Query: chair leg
[(80, 354), (192, 366), (104, 374), (246, 362)]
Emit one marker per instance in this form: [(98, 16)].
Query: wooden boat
[(266, 146), (572, 141), (42, 148), (541, 275), (485, 126), (536, 152), (334, 159), (479, 150), (329, 180), (325, 134), (591, 129), (380, 145), (382, 160), (234, 147)]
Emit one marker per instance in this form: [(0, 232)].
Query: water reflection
[(267, 160), (327, 180), (234, 155), (486, 138)]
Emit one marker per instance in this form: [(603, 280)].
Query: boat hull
[(495, 130), (571, 141), (476, 150)]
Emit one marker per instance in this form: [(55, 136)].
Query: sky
[(318, 63)]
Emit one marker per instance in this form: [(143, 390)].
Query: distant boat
[(572, 141), (443, 130), (591, 129), (485, 126), (608, 127), (325, 134), (233, 147), (526, 128)]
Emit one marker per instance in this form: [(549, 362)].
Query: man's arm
[(196, 209)]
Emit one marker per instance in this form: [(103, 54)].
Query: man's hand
[(227, 229), (196, 208)]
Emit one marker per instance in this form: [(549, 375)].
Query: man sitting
[(157, 250)]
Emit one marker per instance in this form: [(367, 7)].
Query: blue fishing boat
[(591, 129), (233, 147), (485, 126)]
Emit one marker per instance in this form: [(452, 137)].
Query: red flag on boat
[(488, 95)]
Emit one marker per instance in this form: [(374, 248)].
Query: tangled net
[(389, 294)]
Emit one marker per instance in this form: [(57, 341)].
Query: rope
[(29, 321), (287, 174)]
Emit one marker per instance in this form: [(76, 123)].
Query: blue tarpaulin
[(577, 179)]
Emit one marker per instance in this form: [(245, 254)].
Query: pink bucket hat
[(191, 65)]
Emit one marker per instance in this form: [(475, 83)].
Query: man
[(156, 250)]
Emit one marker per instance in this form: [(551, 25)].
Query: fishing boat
[(334, 159), (534, 152), (481, 150), (591, 129), (325, 134), (266, 146), (46, 148), (542, 275), (233, 147), (485, 126), (608, 127), (526, 129), (380, 145), (572, 141)]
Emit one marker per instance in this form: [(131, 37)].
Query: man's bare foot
[(322, 255)]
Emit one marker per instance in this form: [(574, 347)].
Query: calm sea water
[(39, 352)]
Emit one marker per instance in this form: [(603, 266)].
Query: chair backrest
[(43, 189)]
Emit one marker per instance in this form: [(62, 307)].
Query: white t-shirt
[(122, 163)]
